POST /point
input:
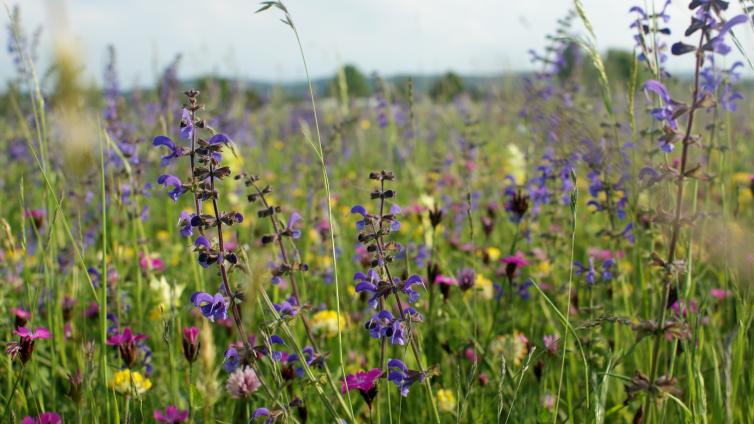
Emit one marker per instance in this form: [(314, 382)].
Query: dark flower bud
[(75, 382), (484, 379), (67, 308), (435, 216), (466, 279), (369, 395), (681, 48), (22, 316), (191, 344), (519, 205)]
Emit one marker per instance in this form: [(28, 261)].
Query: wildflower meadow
[(573, 243)]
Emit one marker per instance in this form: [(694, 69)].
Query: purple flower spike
[(291, 227), (363, 212), (262, 412), (232, 359), (203, 242), (170, 180), (187, 126), (658, 88), (212, 307), (219, 139), (174, 151), (717, 44)]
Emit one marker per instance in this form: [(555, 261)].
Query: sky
[(415, 37)]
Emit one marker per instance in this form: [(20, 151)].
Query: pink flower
[(470, 354), (604, 254), (363, 380), (39, 333), (126, 337), (551, 343), (519, 260), (151, 263), (126, 343), (445, 280), (512, 263), (172, 415), (44, 418), (22, 316), (242, 383), (21, 313), (25, 345), (679, 307), (191, 343), (719, 293)]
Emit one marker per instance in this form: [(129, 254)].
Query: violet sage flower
[(213, 307)]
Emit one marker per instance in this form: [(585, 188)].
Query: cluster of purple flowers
[(650, 28), (590, 272)]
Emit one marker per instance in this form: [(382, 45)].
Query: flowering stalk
[(280, 232), (712, 29), (205, 157), (373, 229), (288, 266)]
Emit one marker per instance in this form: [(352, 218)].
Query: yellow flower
[(155, 314), (446, 400), (512, 346), (543, 268), (130, 383), (326, 322), (163, 235), (742, 177), (324, 261), (365, 124), (484, 287), (313, 235), (493, 253)]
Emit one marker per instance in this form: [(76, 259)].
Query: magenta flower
[(363, 380), (719, 293), (39, 333), (512, 263), (43, 418), (519, 260), (22, 316), (445, 282), (25, 344), (172, 415), (151, 263), (190, 343), (126, 343), (551, 343)]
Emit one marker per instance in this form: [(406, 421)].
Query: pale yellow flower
[(515, 162), (130, 383), (483, 287), (446, 400), (512, 346), (327, 323)]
